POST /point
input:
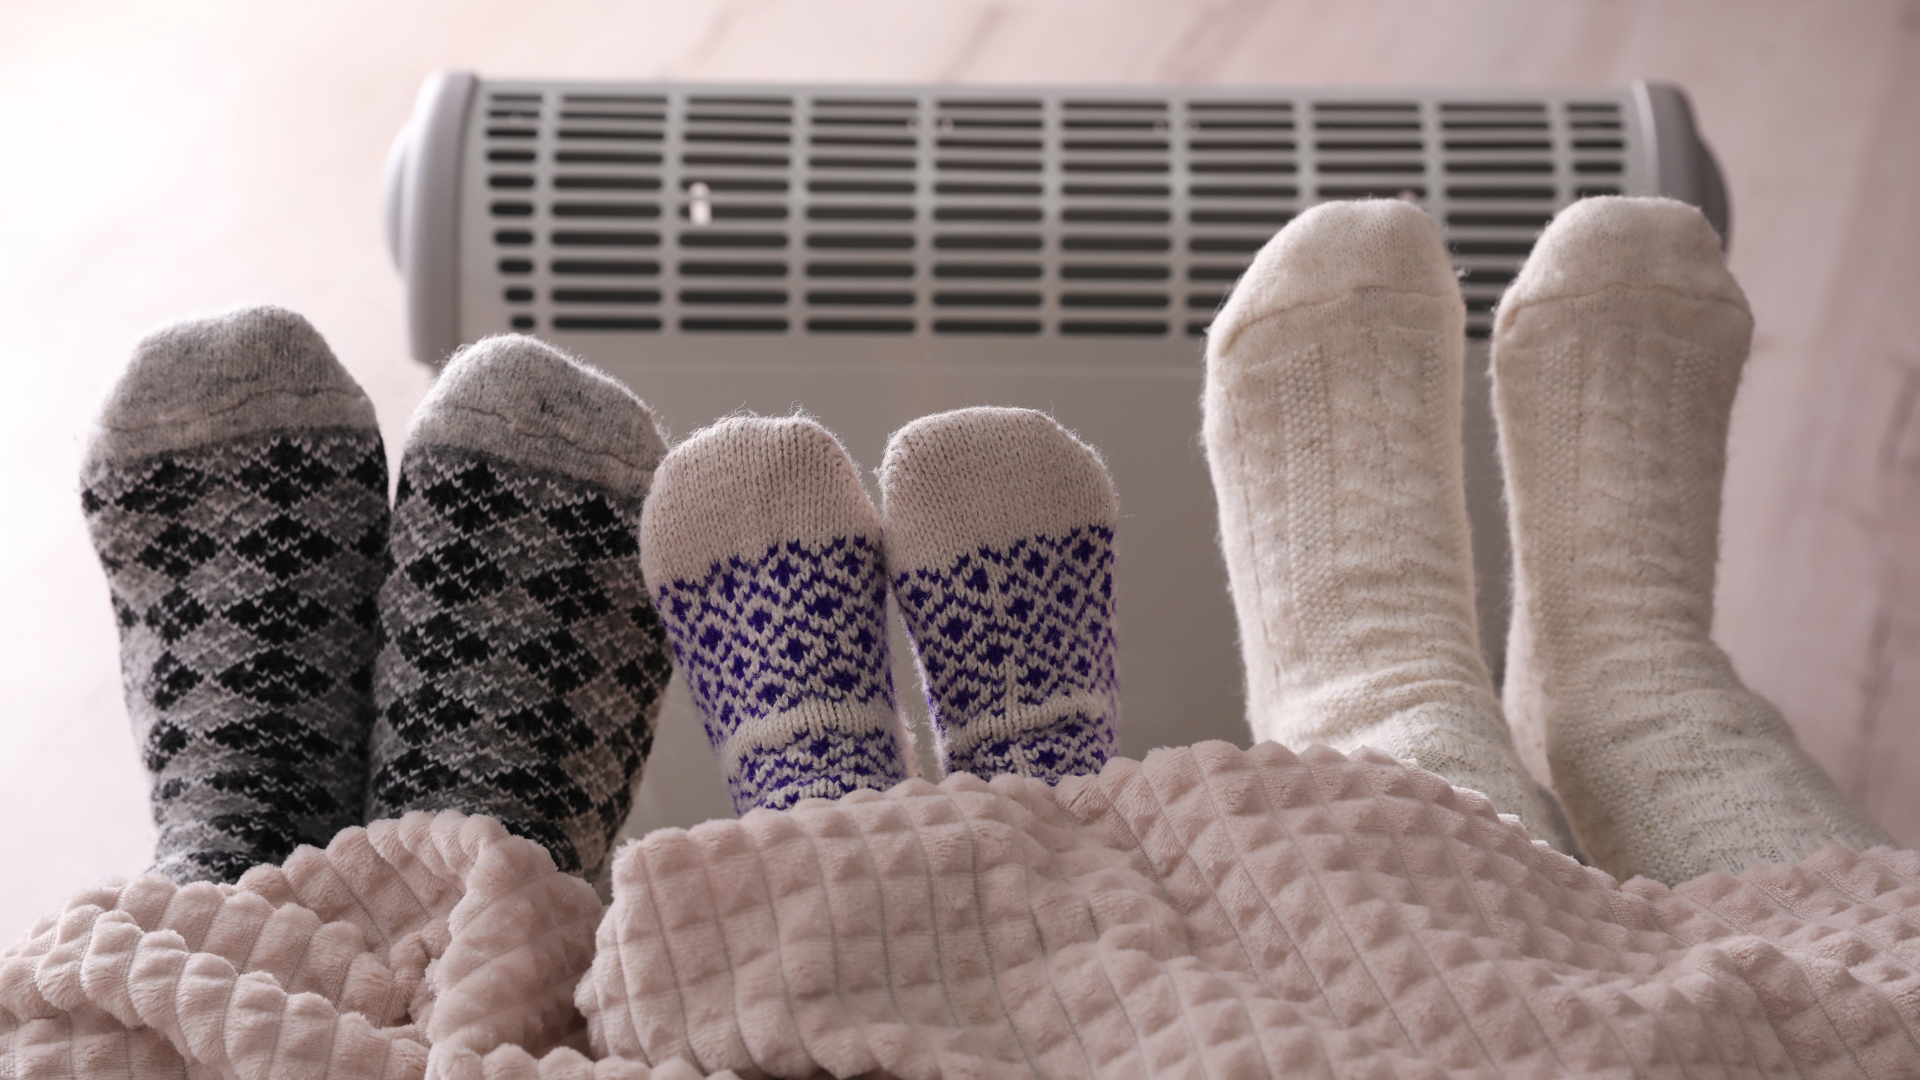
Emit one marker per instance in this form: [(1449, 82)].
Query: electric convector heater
[(871, 254)]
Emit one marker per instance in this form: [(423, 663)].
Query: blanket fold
[(1218, 912), (346, 962), (1208, 911)]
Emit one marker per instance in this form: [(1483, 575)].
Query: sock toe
[(225, 376), (1333, 250), (999, 475), (746, 484), (519, 397), (1620, 242)]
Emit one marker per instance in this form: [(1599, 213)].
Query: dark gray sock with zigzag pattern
[(236, 490), (523, 665)]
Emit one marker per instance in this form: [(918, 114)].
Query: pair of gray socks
[(298, 658)]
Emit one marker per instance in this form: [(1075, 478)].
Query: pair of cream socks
[(1333, 431), (767, 563)]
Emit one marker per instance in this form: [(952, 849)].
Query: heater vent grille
[(998, 214)]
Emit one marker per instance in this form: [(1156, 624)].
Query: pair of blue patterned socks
[(770, 568), (298, 658)]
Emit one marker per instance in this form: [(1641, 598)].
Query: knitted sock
[(763, 553), (236, 491), (1617, 352), (1333, 431), (1000, 549), (523, 664)]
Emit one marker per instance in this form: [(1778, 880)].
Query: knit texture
[(523, 664), (763, 553), (236, 490), (1332, 425), (347, 963), (1616, 356), (1218, 912), (1208, 911), (1000, 530)]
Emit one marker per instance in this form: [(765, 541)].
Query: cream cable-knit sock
[(1000, 548), (1616, 355), (763, 555), (1333, 431)]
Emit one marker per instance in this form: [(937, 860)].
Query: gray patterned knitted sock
[(764, 555), (235, 487), (522, 665), (999, 544)]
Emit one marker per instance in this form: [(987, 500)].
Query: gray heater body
[(872, 254)]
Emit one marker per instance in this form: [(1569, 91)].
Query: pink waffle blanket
[(1208, 912)]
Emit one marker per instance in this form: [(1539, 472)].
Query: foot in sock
[(1332, 424), (999, 541), (236, 490), (523, 665), (1616, 355), (763, 554)]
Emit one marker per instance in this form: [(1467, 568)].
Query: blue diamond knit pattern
[(1003, 633), (243, 577), (523, 665), (797, 628)]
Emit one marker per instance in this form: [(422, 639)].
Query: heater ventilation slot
[(985, 214), (1500, 190)]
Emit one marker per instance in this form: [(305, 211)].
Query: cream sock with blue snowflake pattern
[(999, 531), (763, 555)]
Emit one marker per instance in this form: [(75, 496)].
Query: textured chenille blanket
[(1207, 912)]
